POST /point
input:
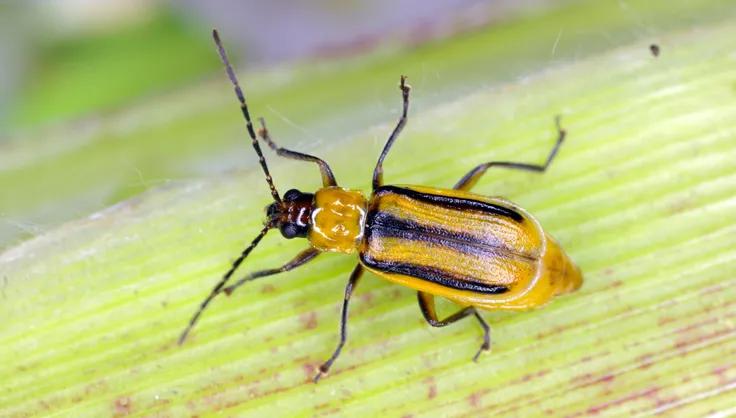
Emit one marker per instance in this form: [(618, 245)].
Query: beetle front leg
[(300, 259), (354, 278), (426, 304), (328, 179), (472, 177)]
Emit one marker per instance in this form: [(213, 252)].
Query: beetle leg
[(328, 179), (426, 304), (354, 278), (300, 259), (469, 180), (486, 346), (223, 281), (378, 171)]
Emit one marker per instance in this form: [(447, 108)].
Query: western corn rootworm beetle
[(480, 252)]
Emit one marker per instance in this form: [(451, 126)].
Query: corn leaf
[(642, 196)]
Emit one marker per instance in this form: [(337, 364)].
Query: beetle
[(479, 252)]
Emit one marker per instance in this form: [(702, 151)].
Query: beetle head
[(292, 216)]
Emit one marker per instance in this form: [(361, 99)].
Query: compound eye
[(289, 230), (272, 210), (292, 195)]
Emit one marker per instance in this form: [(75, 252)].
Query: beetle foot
[(485, 347), (405, 88), (323, 369)]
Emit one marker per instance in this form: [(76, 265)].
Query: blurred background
[(98, 50), (101, 100)]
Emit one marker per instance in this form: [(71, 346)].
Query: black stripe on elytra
[(433, 275), (450, 202), (381, 224)]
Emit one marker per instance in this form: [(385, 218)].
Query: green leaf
[(641, 197)]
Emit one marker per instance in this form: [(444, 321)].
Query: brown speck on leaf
[(664, 320), (645, 361), (582, 379), (123, 406), (722, 373), (474, 399), (366, 298), (309, 371), (432, 388), (308, 320), (654, 48), (650, 393), (606, 379)]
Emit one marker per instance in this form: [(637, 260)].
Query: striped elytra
[(469, 248)]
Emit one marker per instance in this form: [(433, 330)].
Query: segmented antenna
[(218, 288), (246, 114)]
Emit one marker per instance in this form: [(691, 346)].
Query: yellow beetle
[(480, 252)]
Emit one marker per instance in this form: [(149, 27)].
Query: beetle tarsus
[(405, 88), (486, 346), (378, 171), (323, 371)]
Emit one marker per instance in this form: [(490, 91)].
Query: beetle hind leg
[(486, 346), (468, 181), (426, 305)]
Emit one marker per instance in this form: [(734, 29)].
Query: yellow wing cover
[(469, 248)]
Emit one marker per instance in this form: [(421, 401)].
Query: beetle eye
[(292, 195), (289, 230), (272, 210)]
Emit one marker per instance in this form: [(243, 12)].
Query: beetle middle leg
[(302, 258), (378, 171), (328, 179), (469, 180), (354, 278), (426, 304)]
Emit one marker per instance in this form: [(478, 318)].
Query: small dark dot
[(655, 49)]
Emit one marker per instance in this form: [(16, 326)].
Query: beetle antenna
[(246, 114), (218, 288)]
